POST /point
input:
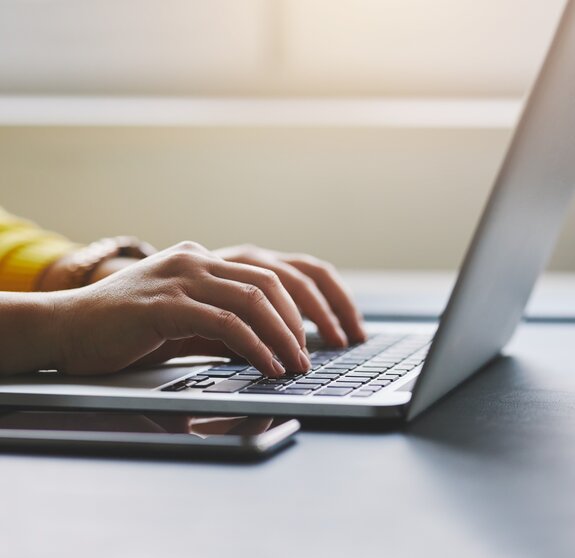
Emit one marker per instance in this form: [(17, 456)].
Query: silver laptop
[(402, 369)]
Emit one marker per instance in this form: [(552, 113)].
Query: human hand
[(168, 305), (314, 285)]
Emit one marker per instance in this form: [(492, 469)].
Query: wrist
[(67, 272), (108, 267), (55, 276), (29, 340)]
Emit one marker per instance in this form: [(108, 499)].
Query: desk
[(423, 295), (489, 472)]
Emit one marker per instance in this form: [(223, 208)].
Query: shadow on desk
[(501, 450)]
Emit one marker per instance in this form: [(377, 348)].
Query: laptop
[(402, 369)]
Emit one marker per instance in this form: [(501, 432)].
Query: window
[(273, 47)]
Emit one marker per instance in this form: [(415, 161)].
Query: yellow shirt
[(26, 251)]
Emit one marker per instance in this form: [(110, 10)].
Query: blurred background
[(367, 132)]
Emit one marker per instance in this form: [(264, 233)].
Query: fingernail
[(278, 368), (304, 361)]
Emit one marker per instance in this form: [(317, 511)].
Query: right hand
[(168, 305)]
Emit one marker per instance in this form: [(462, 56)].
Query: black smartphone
[(138, 433)]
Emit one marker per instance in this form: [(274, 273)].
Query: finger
[(190, 318), (252, 306), (331, 285), (269, 282), (310, 301), (206, 347)]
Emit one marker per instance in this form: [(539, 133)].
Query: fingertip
[(279, 370), (356, 331), (304, 361), (361, 329), (360, 334), (341, 337), (336, 341)]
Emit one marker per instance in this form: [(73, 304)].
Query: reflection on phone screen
[(170, 423)]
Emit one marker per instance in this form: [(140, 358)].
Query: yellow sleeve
[(26, 251)]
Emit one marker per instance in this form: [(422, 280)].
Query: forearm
[(28, 338)]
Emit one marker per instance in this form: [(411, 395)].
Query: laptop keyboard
[(356, 371)]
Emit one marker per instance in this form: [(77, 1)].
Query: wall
[(362, 197)]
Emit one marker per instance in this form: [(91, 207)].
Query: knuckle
[(327, 266), (227, 320), (176, 260), (306, 258), (248, 247), (180, 260), (270, 279), (190, 246), (250, 251), (326, 270), (254, 294)]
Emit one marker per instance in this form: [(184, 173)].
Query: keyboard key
[(318, 362), (248, 376), (376, 369), (229, 367), (346, 384), (291, 374), (219, 373), (265, 387), (324, 375), (178, 386), (228, 386), (385, 364), (350, 361), (297, 385), (294, 391), (200, 384), (371, 364), (392, 375), (353, 379), (275, 381), (333, 391), (313, 380), (325, 354), (380, 383), (361, 374)]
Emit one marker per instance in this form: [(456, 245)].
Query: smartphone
[(138, 433)]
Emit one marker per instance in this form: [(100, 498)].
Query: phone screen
[(143, 429), (167, 423)]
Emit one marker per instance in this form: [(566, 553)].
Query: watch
[(84, 261)]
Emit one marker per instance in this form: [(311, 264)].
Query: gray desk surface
[(488, 472), (425, 294)]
